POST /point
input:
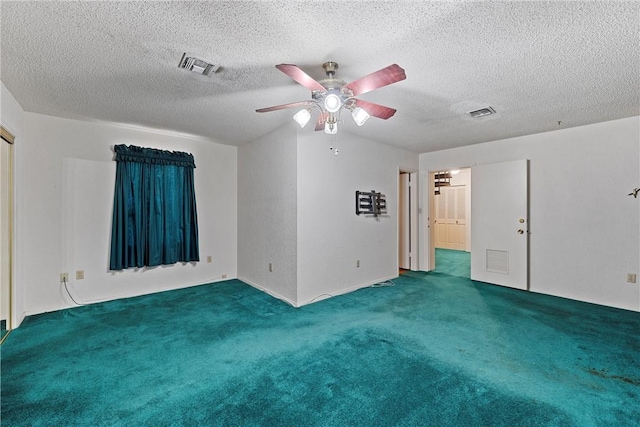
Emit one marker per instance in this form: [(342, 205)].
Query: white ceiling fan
[(331, 95)]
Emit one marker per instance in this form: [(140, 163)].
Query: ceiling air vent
[(197, 65), (482, 112)]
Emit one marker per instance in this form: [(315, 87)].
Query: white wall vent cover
[(482, 112), (497, 261), (197, 65)]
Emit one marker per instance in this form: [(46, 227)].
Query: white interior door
[(404, 222), (440, 221), (5, 229), (499, 237)]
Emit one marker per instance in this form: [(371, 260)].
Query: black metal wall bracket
[(370, 203)]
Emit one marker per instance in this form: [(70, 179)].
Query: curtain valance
[(154, 156)]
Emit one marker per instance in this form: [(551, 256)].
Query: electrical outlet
[(64, 277), (357, 263), (224, 276), (631, 278), (270, 267), (79, 274), (209, 259)]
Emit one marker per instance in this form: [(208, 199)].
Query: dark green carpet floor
[(433, 350)]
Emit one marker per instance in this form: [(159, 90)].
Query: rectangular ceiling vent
[(197, 65), (482, 112)]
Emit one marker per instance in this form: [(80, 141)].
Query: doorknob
[(521, 231), (521, 221)]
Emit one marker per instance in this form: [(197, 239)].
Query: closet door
[(451, 223), (460, 218)]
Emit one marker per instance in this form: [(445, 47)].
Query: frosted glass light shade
[(330, 128), (359, 116), (332, 103), (302, 117)]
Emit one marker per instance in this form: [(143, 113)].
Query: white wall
[(584, 228), (267, 212), (67, 184), (296, 209), (12, 118), (331, 237)]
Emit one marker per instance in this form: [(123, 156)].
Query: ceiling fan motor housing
[(330, 68), (333, 86)]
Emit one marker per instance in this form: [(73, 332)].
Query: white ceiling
[(536, 63)]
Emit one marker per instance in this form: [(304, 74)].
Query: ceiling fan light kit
[(302, 117), (360, 116), (331, 125), (332, 103), (331, 95)]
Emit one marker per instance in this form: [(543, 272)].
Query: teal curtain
[(154, 208)]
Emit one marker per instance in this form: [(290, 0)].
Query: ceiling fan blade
[(376, 110), (283, 106), (388, 75), (300, 76), (321, 119)]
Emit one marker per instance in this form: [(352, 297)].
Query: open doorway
[(450, 221), (407, 221), (497, 221)]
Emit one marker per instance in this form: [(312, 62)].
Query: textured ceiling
[(536, 63)]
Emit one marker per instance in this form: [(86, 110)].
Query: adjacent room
[(320, 213)]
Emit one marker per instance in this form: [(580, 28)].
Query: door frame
[(8, 137), (414, 260)]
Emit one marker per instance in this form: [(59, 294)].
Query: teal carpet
[(433, 350), (453, 263)]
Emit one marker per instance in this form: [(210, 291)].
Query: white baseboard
[(18, 320), (268, 291), (80, 298), (346, 290), (318, 297)]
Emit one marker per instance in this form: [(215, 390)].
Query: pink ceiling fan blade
[(300, 76), (376, 110), (284, 106), (384, 77)]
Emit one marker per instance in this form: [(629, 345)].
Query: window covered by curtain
[(154, 208)]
